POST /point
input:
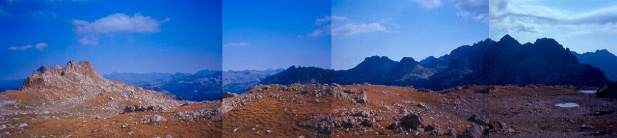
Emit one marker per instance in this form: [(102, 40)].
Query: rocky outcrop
[(229, 95), (152, 119), (139, 108)]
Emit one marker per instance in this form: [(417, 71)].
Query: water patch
[(588, 91), (566, 104)]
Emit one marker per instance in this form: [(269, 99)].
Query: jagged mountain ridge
[(602, 59), (487, 62)]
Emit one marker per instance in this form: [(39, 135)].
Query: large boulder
[(412, 120), (475, 131), (610, 91), (362, 97)]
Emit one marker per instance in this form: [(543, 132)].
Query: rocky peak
[(508, 40), (83, 67), (408, 60), (376, 61), (43, 69), (73, 71)]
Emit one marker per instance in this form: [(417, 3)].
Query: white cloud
[(359, 28), (429, 4), (115, 23), (475, 9), (22, 48), (40, 46), (236, 44)]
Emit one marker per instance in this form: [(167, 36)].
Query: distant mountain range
[(10, 84), (604, 60), (242, 81), (203, 85), (487, 62)]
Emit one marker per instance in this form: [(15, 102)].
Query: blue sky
[(121, 36), (271, 34), (404, 28), (582, 26)]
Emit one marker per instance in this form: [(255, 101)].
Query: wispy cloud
[(475, 9), (39, 47), (358, 28), (524, 17), (328, 19), (22, 48), (88, 33), (236, 44), (429, 4), (343, 27), (325, 24)]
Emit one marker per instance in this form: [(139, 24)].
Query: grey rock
[(152, 118)]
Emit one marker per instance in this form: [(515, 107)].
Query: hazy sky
[(268, 34), (404, 28), (581, 25), (122, 36)]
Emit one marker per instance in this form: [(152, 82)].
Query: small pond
[(588, 91), (569, 104)]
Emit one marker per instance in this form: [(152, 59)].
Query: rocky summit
[(78, 84)]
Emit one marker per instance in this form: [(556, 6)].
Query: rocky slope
[(76, 101)]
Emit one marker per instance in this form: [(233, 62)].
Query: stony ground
[(190, 119), (372, 110), (327, 111)]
